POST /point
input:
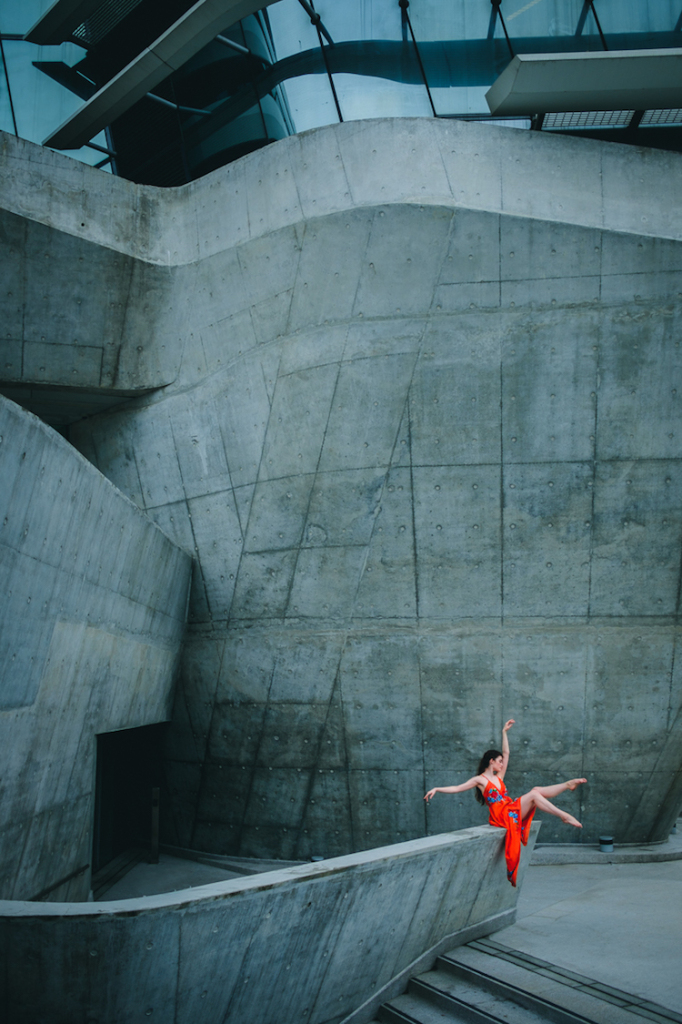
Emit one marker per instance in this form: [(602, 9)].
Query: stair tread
[(596, 1002), (421, 1011), (497, 1006)]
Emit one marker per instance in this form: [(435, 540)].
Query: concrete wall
[(423, 442), (305, 944), (79, 300), (93, 610)]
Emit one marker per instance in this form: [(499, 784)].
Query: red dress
[(506, 813)]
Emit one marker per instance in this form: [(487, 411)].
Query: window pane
[(18, 16), (544, 18), (311, 102), (292, 30), (373, 62), (637, 15)]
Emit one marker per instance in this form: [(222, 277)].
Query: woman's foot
[(568, 819), (574, 783)]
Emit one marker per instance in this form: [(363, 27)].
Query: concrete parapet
[(307, 944)]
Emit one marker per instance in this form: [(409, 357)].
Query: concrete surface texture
[(421, 438), (93, 611), (618, 924), (308, 943)]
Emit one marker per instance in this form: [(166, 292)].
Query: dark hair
[(490, 755)]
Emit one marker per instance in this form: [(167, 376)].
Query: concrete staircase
[(485, 981)]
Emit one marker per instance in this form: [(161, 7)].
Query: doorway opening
[(128, 779)]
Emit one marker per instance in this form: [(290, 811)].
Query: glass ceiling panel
[(292, 30), (40, 103), (547, 18), (378, 71), (433, 19), (617, 16), (17, 18)]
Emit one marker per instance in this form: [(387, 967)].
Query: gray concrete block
[(326, 821), (343, 507), (636, 528), (335, 244), (454, 396), (316, 346), (325, 582), (361, 430), (388, 586), (400, 278), (473, 251), (388, 801), (552, 418), (218, 539), (372, 338), (644, 346), (537, 250), (306, 670), (291, 735), (278, 513), (457, 540), (640, 716), (236, 735), (547, 538), (263, 585), (300, 398), (461, 688)]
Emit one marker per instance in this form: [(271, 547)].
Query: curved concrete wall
[(94, 599), (309, 944), (423, 445)]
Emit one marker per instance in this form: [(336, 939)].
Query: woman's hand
[(429, 795), (507, 725)]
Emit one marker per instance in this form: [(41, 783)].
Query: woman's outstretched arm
[(505, 745), (477, 780)]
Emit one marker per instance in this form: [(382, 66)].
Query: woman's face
[(496, 765)]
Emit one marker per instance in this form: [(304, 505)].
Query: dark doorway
[(129, 764)]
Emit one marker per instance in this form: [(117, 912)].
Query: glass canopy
[(298, 64)]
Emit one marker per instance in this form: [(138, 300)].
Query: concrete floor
[(620, 924), (169, 875)]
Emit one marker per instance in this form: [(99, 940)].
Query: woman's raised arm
[(505, 745), (469, 784)]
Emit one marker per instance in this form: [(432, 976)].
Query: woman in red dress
[(513, 815)]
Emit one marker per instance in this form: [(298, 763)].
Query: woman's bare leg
[(536, 799), (561, 787)]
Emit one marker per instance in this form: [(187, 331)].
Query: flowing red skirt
[(506, 813)]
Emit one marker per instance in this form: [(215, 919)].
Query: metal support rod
[(9, 88), (316, 20), (498, 10), (232, 45), (601, 34), (242, 49), (101, 149), (404, 4), (154, 851), (177, 106)]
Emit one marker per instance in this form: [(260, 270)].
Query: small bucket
[(606, 844)]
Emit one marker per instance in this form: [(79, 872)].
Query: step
[(486, 981)]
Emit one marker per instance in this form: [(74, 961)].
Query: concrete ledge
[(575, 854), (308, 943)]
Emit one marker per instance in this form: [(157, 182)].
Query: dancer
[(513, 815)]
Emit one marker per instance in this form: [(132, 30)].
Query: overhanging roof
[(59, 21), (544, 83), (197, 27)]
